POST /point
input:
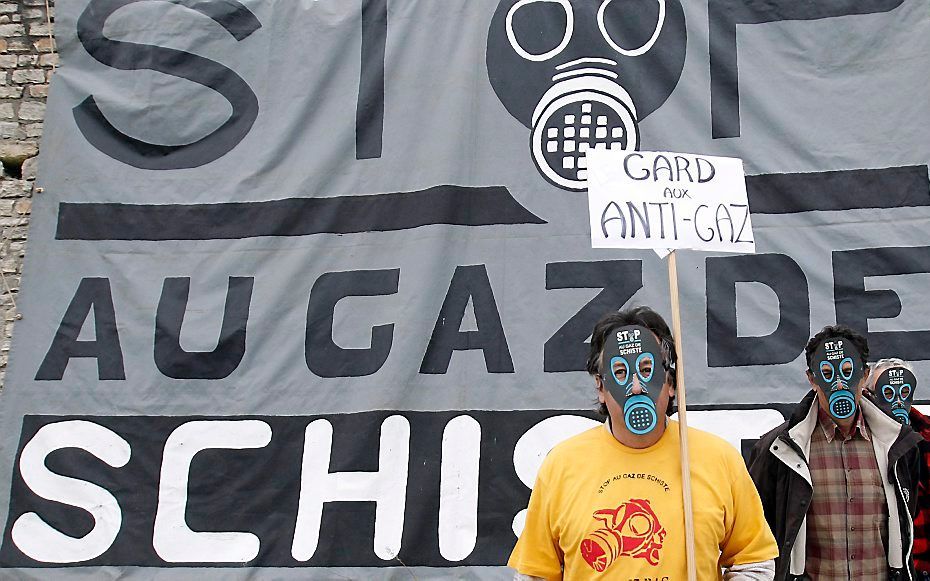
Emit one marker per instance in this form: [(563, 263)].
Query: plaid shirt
[(921, 424), (847, 523)]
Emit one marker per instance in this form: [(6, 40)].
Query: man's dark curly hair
[(645, 317), (859, 342)]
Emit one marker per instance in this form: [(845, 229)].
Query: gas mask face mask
[(582, 74), (634, 361), (894, 393), (837, 369)]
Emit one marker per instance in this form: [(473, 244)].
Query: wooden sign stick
[(682, 418)]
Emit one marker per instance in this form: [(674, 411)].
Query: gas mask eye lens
[(905, 390), (826, 371), (635, 23), (846, 368), (620, 371), (644, 365), (888, 393), (540, 29)]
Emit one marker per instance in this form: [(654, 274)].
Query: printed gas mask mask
[(894, 393), (633, 371), (837, 368), (583, 74)]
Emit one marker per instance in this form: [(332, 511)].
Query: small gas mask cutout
[(894, 393), (837, 368), (583, 74), (633, 371)]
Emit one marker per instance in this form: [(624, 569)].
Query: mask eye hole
[(644, 366), (826, 371), (846, 368), (620, 370), (905, 390), (540, 29), (888, 393), (633, 23)]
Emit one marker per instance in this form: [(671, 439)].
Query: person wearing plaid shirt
[(838, 480), (891, 386)]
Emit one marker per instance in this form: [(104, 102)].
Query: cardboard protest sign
[(664, 200)]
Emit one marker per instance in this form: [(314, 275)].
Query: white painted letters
[(32, 535), (458, 488), (387, 487), (173, 540)]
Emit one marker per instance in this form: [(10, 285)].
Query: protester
[(892, 385), (838, 480), (608, 502)]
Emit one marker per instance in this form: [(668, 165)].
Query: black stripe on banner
[(786, 193), (248, 474), (444, 204), (369, 111)]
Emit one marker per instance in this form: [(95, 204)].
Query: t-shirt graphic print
[(630, 530)]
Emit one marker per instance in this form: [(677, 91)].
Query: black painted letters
[(238, 21)]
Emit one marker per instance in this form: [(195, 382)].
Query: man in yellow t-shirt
[(607, 503)]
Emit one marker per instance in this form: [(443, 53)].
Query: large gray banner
[(309, 283)]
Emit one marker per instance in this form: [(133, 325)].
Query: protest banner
[(308, 288)]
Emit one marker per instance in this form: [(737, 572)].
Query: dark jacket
[(921, 424), (778, 466)]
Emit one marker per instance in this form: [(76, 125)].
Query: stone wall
[(27, 61)]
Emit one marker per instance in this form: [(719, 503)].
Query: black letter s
[(232, 16)]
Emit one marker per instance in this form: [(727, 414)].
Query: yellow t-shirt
[(607, 511)]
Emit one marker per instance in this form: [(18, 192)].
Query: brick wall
[(27, 61)]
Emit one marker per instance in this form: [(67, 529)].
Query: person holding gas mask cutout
[(607, 503), (838, 480), (892, 386)]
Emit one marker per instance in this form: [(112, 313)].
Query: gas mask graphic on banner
[(894, 393), (633, 371), (583, 74), (837, 369)]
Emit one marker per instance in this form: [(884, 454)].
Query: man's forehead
[(627, 341), (644, 332), (897, 372), (837, 343)]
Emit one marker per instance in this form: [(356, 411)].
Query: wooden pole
[(682, 418)]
